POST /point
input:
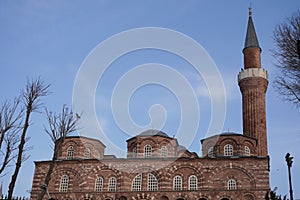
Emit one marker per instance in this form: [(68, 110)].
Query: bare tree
[(35, 89), (10, 120), (59, 127), (286, 36)]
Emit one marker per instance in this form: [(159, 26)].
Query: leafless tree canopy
[(59, 126), (10, 124), (34, 90), (285, 36)]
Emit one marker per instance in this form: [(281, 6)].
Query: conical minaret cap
[(251, 38)]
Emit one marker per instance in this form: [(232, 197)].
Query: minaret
[(253, 82)]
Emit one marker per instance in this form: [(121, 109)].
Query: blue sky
[(53, 39)]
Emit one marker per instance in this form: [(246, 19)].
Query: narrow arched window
[(64, 183), (193, 183), (70, 152), (148, 151), (231, 185), (137, 183), (228, 150), (152, 183), (99, 184), (247, 151), (177, 183), (87, 153), (164, 152), (211, 152), (112, 184), (134, 152)]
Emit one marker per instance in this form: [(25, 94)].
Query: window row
[(228, 151), (112, 184), (148, 151), (152, 183), (71, 152)]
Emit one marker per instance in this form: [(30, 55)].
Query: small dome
[(153, 133)]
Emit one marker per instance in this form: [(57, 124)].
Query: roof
[(251, 38), (151, 133), (228, 134), (82, 137)]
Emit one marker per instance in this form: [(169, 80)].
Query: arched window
[(247, 151), (87, 153), (228, 150), (164, 152), (177, 183), (231, 184), (193, 183), (152, 183), (211, 152), (134, 152), (148, 151), (64, 183), (99, 184), (70, 152), (137, 183), (112, 184)]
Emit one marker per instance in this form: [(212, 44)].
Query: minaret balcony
[(253, 72)]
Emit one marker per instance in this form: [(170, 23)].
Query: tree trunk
[(20, 154), (50, 170)]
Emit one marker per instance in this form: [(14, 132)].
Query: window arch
[(228, 150), (231, 185), (99, 184), (152, 183), (247, 151), (70, 152), (134, 152), (64, 183), (87, 153), (164, 198), (148, 151), (164, 152), (112, 184), (211, 152), (193, 182), (137, 183), (177, 183)]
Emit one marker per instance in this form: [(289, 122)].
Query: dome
[(153, 133)]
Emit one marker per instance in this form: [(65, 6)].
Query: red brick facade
[(211, 174)]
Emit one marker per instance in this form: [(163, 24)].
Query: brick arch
[(218, 172), (98, 168), (146, 141), (250, 145), (66, 145), (249, 196), (144, 170), (90, 145), (74, 175), (179, 167)]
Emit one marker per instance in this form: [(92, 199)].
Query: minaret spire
[(251, 38)]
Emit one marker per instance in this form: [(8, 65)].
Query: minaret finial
[(250, 10)]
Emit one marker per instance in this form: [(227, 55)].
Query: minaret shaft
[(253, 82)]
